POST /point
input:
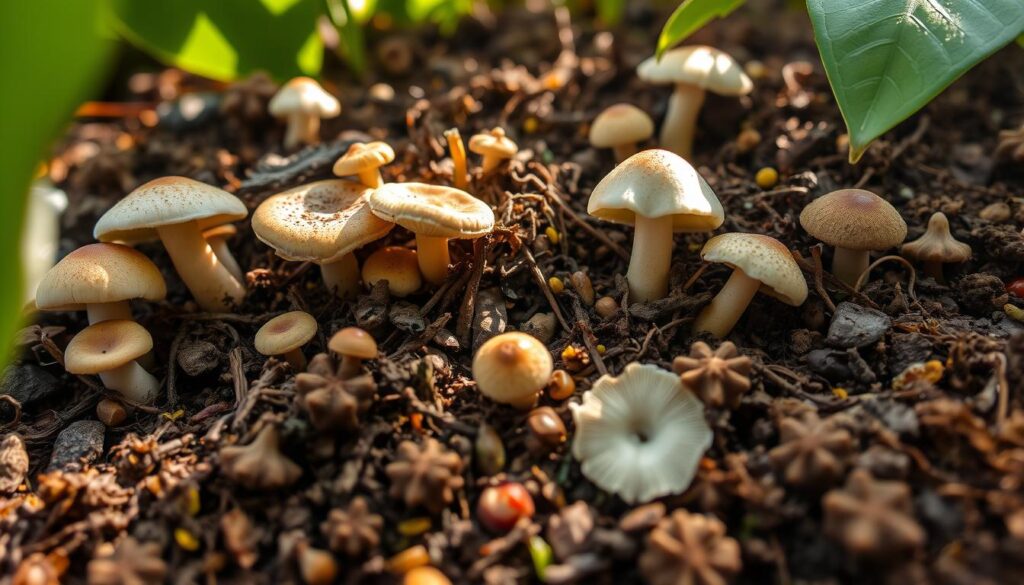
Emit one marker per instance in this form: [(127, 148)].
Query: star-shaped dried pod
[(131, 563), (353, 531), (692, 549), (260, 464), (331, 402), (718, 377), (426, 475), (872, 518), (812, 452)]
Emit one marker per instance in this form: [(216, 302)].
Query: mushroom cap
[(493, 143), (363, 157), (620, 124), (99, 273), (221, 232), (303, 95), (319, 222), (854, 219), (640, 435), (285, 332), (762, 258), (432, 210), (937, 244), (353, 341), (106, 346), (512, 368), (167, 201), (657, 183), (699, 65), (398, 266)]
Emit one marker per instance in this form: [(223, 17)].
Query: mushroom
[(176, 210), (285, 335), (303, 102), (110, 349), (512, 368), (102, 279), (365, 160), (759, 263), (640, 435), (620, 128), (435, 214), (110, 412), (936, 247), (659, 193), (353, 345), (260, 464), (322, 222), (40, 234), (398, 266), (494, 146), (217, 238), (855, 222), (694, 70)]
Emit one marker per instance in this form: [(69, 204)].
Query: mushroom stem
[(933, 268), (296, 359), (108, 311), (342, 276), (490, 163), (624, 151), (371, 178), (719, 317), (848, 265), (681, 119), (203, 273), (302, 129), (132, 382), (458, 152), (432, 254), (220, 249), (651, 258), (350, 367)]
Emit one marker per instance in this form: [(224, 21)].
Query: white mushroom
[(303, 102)]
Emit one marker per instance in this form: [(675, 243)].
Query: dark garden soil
[(923, 386)]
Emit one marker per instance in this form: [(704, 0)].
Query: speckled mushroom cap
[(285, 332), (620, 124), (106, 346), (854, 219), (433, 210), (319, 222), (494, 143), (937, 244), (167, 201), (656, 183), (355, 342), (363, 156), (762, 258), (99, 273), (698, 65), (303, 95)]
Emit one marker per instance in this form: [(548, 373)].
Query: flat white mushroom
[(303, 102), (621, 127), (218, 238), (110, 349), (365, 160)]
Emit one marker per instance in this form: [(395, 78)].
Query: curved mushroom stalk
[(848, 265), (203, 273), (302, 129), (433, 257), (371, 178), (681, 119), (651, 258), (133, 382), (296, 359), (725, 310), (342, 277), (98, 312), (224, 255)]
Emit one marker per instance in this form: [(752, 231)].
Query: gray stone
[(856, 326), (78, 444)]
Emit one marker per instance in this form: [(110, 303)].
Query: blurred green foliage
[(690, 17)]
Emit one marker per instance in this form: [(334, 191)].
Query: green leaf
[(689, 17), (226, 39), (1020, 40), (610, 11), (352, 47), (886, 59)]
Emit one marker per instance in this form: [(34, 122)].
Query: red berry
[(500, 507), (1016, 287)]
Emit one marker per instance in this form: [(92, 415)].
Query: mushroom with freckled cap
[(353, 345), (659, 193), (218, 238), (759, 263), (494, 146), (512, 368), (398, 266), (936, 247), (110, 348), (620, 128), (435, 214), (303, 103), (855, 222), (285, 335), (365, 160), (177, 210), (693, 70), (102, 279), (322, 222)]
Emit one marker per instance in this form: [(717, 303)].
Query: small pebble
[(77, 445)]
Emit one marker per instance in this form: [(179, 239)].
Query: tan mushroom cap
[(657, 183), (762, 258), (319, 222), (224, 231), (106, 346), (167, 201), (937, 244), (512, 368), (99, 273), (398, 266), (304, 95), (362, 157), (698, 65), (620, 124), (285, 332), (493, 143), (353, 341), (854, 219), (433, 210)]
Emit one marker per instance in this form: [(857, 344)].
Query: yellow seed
[(933, 370), (173, 416), (568, 353), (1014, 312), (409, 559), (186, 539), (766, 178), (192, 502), (413, 526), (552, 234), (601, 348), (556, 284), (693, 247), (840, 393), (530, 125)]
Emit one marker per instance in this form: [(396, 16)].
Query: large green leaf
[(886, 59), (689, 17)]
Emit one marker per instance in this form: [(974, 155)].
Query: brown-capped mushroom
[(285, 335), (303, 102), (353, 345), (110, 348), (936, 247), (365, 161), (512, 368), (621, 127), (398, 266), (218, 238), (495, 148)]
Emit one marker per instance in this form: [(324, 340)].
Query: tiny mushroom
[(759, 263), (218, 238), (322, 222), (659, 193), (177, 210), (353, 345), (512, 368), (398, 266), (110, 348), (694, 70), (102, 279), (937, 247), (855, 222), (365, 161), (620, 128), (303, 102), (435, 214), (494, 146), (285, 335)]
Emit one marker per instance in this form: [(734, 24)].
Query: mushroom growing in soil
[(260, 464), (855, 222), (365, 160), (512, 368), (110, 348), (494, 146), (621, 127), (693, 70), (353, 345), (435, 214), (322, 222), (937, 247), (177, 210), (759, 263), (659, 193), (303, 102), (398, 266), (218, 238), (102, 279), (285, 335), (640, 435)]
